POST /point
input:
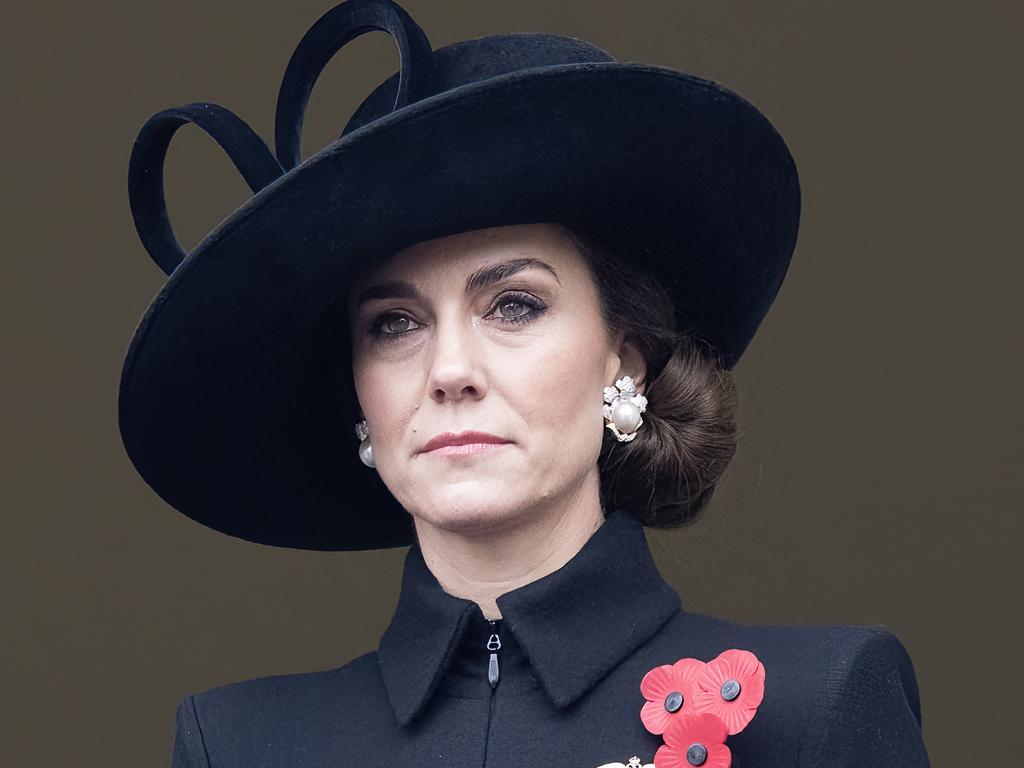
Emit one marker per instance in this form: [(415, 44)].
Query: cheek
[(383, 398), (563, 407)]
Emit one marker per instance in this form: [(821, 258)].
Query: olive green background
[(877, 480)]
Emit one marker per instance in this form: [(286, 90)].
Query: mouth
[(463, 443)]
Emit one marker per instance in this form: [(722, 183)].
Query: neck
[(483, 566)]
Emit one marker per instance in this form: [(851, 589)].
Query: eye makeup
[(536, 307)]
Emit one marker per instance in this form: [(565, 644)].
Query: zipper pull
[(493, 645)]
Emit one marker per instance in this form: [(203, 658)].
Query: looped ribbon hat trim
[(244, 147)]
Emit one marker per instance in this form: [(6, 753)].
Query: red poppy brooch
[(695, 705)]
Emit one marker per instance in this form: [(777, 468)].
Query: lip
[(465, 441)]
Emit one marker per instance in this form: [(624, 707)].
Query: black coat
[(574, 648)]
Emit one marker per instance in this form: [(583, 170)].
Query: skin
[(448, 360)]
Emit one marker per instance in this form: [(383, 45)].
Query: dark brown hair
[(667, 474)]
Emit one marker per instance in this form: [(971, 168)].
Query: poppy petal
[(686, 673), (733, 664), (654, 716), (719, 756), (686, 729), (736, 718), (657, 683), (670, 757), (742, 667)]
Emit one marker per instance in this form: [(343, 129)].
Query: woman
[(523, 273)]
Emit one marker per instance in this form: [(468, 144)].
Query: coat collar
[(610, 589)]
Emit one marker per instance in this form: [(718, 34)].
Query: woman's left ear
[(631, 363)]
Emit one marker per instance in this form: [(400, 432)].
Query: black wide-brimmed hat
[(236, 401)]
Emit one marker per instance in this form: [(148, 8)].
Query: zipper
[(493, 646)]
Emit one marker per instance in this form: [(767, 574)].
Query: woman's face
[(496, 331)]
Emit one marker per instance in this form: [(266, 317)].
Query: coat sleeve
[(189, 750), (871, 709)]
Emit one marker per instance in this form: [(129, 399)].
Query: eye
[(391, 325), (511, 307), (517, 307)]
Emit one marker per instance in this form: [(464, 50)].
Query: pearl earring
[(622, 409), (365, 448)]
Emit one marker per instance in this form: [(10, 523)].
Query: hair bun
[(667, 474)]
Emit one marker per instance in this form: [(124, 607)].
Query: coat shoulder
[(250, 721), (829, 688)]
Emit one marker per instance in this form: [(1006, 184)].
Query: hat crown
[(422, 71), (470, 61)]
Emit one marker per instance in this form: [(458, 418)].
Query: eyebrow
[(480, 278)]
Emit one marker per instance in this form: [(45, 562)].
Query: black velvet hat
[(236, 401)]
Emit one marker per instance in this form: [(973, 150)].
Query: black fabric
[(236, 402), (332, 32), (574, 647)]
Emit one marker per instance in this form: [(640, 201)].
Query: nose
[(456, 372)]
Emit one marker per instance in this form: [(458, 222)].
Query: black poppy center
[(696, 754), (674, 701), (730, 690)]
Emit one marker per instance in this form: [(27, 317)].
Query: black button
[(674, 701), (730, 690), (696, 754)]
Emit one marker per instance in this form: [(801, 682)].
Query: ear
[(631, 363)]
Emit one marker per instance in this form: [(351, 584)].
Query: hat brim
[(236, 403)]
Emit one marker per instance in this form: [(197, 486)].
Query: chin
[(472, 508)]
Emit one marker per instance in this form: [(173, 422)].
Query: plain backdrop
[(877, 480)]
